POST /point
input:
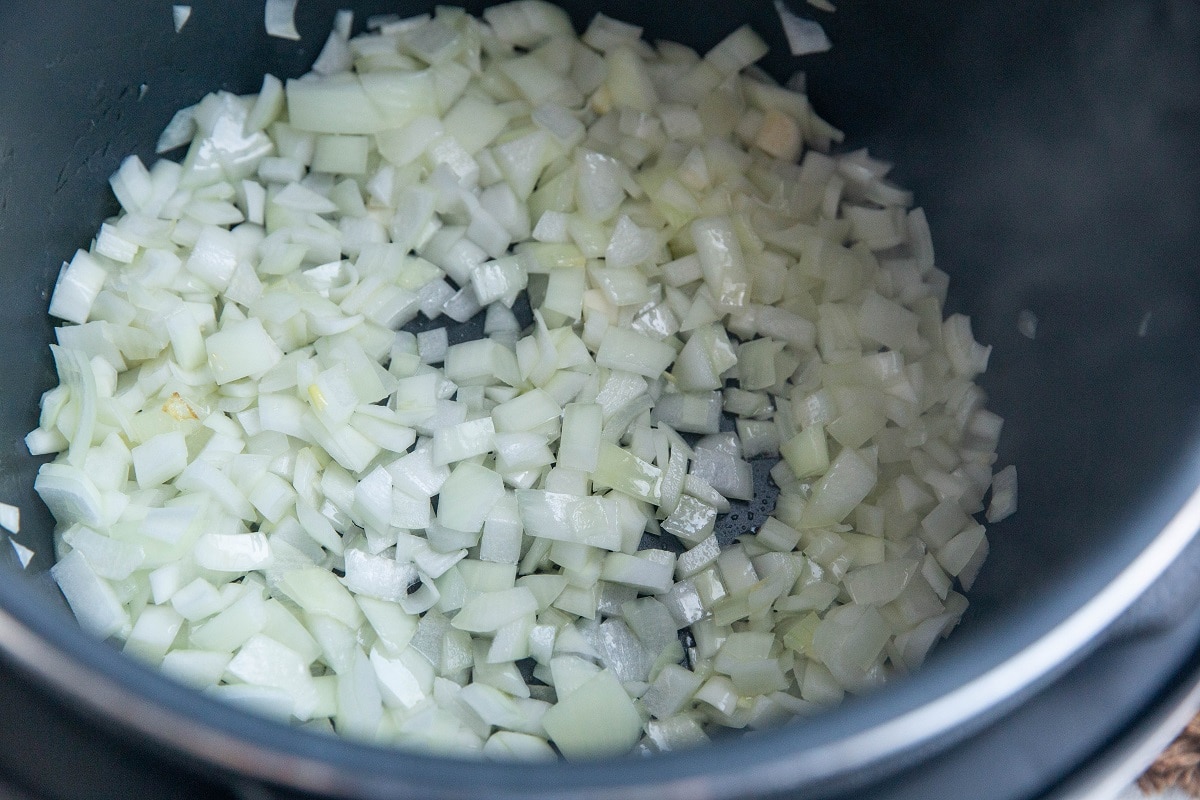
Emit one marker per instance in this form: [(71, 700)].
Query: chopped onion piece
[(590, 521), (596, 719), (180, 16), (78, 285), (1004, 495), (279, 19), (91, 598), (262, 661), (804, 36), (178, 132), (24, 554), (10, 517)]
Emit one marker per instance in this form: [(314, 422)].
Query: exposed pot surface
[(1056, 150)]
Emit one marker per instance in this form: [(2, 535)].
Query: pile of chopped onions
[(270, 489)]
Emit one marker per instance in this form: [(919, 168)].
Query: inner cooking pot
[(1056, 149)]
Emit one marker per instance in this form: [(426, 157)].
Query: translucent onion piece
[(279, 19)]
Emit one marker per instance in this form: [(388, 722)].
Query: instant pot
[(1055, 147)]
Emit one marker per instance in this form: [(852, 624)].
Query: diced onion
[(279, 19), (277, 478), (804, 36), (180, 16)]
